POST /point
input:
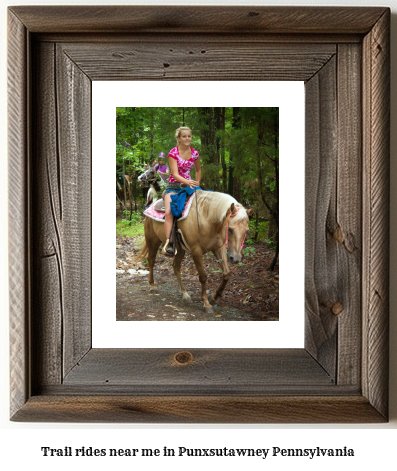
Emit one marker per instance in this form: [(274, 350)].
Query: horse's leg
[(153, 248), (198, 261), (153, 244), (176, 265), (221, 255)]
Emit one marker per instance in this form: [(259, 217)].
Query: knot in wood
[(338, 235), (337, 308), (183, 358)]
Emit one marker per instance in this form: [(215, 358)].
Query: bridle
[(144, 177), (227, 230)]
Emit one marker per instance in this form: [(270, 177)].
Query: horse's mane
[(213, 205)]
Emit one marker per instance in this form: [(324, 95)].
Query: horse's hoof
[(209, 309), (186, 298), (211, 299), (153, 290)]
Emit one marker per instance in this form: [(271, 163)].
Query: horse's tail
[(142, 254)]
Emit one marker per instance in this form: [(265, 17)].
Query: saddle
[(160, 206)]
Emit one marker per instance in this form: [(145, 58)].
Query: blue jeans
[(172, 189)]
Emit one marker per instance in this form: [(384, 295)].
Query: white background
[(286, 333), (20, 443)]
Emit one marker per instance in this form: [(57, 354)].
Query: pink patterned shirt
[(184, 166)]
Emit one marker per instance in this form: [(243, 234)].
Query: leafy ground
[(251, 294)]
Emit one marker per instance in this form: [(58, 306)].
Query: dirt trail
[(135, 303), (251, 294)]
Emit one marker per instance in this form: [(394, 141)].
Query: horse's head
[(236, 231), (148, 175)]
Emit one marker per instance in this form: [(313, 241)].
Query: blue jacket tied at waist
[(178, 200)]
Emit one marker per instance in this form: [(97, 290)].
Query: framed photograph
[(253, 291), (340, 374)]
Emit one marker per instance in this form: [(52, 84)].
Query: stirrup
[(172, 250)]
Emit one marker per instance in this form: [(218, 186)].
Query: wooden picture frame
[(342, 54)]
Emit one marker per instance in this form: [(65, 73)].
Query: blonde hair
[(179, 131)]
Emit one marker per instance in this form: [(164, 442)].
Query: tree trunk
[(151, 138), (277, 192), (217, 125), (236, 122), (276, 205), (208, 148), (124, 187), (237, 187), (256, 226), (222, 150), (134, 188), (274, 261)]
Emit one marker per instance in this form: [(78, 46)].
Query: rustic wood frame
[(343, 56)]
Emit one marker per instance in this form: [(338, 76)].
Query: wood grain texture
[(347, 226), (341, 376), (47, 201), (221, 59), (62, 222), (18, 213), (321, 261), (243, 38), (376, 92), (74, 134), (198, 409), (198, 19), (209, 369)]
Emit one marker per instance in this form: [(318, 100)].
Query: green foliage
[(271, 242), (249, 251), (263, 228), (133, 217), (130, 228), (210, 175), (263, 234), (142, 133), (238, 150), (272, 185)]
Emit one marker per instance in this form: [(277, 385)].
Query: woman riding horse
[(181, 158), (163, 170), (218, 224)]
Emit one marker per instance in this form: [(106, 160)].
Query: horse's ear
[(229, 212), (227, 215), (250, 211)]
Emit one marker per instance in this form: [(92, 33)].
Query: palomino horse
[(220, 228)]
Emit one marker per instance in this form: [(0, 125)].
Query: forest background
[(239, 153)]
